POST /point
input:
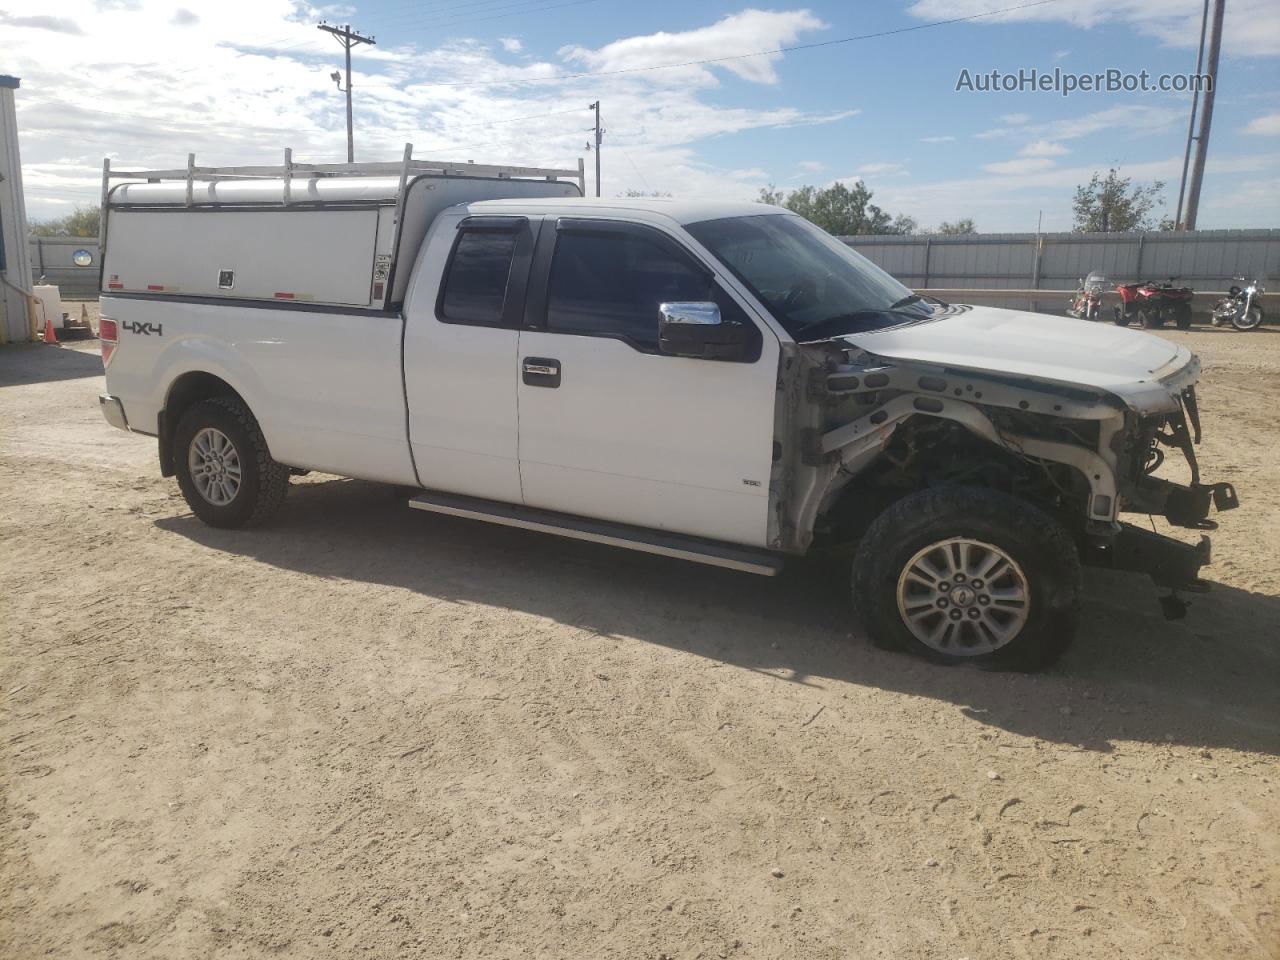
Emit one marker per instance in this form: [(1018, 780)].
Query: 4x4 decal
[(145, 329)]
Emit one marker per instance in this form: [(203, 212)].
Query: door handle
[(540, 372)]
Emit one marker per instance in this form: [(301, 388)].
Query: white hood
[(1145, 371)]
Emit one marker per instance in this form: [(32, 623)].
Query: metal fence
[(1204, 259), (55, 259)]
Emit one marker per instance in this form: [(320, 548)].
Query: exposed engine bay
[(875, 430)]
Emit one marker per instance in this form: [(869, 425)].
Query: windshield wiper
[(917, 298)]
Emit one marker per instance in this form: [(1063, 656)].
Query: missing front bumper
[(1170, 563)]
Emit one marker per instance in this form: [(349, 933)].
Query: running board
[(710, 552)]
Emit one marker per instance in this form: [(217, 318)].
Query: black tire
[(263, 482), (1182, 316), (1037, 543), (1244, 322), (1122, 317), (1148, 319)]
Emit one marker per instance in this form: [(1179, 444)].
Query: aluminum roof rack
[(289, 171)]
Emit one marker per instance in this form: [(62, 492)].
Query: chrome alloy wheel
[(214, 463), (1249, 319), (963, 597)]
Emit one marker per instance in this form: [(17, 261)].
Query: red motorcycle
[(1152, 304)]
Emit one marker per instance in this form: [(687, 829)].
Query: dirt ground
[(365, 731)]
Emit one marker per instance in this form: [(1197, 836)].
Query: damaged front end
[(871, 428)]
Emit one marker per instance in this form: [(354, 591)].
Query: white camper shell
[(325, 234)]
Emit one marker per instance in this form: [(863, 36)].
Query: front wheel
[(967, 575), (1250, 319), (1182, 316), (224, 469)]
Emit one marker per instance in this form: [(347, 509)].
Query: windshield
[(813, 284)]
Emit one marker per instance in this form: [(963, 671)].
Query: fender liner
[(855, 440)]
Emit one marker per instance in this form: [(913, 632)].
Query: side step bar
[(710, 552)]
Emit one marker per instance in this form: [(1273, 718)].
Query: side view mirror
[(696, 329)]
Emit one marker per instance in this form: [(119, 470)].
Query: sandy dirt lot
[(365, 731)]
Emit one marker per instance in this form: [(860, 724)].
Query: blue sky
[(147, 81)]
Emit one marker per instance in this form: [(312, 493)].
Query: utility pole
[(599, 135), (1191, 124), (348, 38), (1206, 116)]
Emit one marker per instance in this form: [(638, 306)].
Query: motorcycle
[(1152, 304), (1241, 307), (1087, 302)]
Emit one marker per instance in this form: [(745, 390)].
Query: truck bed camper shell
[(318, 234)]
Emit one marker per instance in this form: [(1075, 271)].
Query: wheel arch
[(187, 389), (976, 432)]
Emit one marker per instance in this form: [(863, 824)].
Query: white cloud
[(1061, 54), (164, 90), (1043, 148), (1251, 28), (511, 44), (937, 139), (880, 169), (39, 22), (1129, 120), (1018, 166), (1016, 119), (1267, 125), (737, 33), (1008, 199), (811, 166)]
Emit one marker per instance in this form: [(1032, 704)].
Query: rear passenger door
[(461, 337), (612, 428)]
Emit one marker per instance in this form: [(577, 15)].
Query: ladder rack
[(290, 170)]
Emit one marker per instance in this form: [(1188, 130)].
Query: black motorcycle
[(1241, 307)]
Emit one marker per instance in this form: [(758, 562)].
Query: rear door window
[(476, 281)]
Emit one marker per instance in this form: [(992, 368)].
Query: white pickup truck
[(718, 382)]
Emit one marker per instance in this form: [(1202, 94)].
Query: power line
[(742, 56)]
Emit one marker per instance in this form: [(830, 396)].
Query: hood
[(1145, 371)]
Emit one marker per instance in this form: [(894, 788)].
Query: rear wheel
[(224, 469), (1149, 319), (967, 575)]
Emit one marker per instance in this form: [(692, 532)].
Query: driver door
[(612, 428)]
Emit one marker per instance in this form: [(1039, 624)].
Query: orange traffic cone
[(49, 335)]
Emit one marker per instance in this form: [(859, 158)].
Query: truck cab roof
[(682, 211)]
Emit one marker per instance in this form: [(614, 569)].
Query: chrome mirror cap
[(702, 313)]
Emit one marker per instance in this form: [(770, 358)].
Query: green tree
[(634, 194), (1115, 204), (82, 223), (840, 210), (957, 229)]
